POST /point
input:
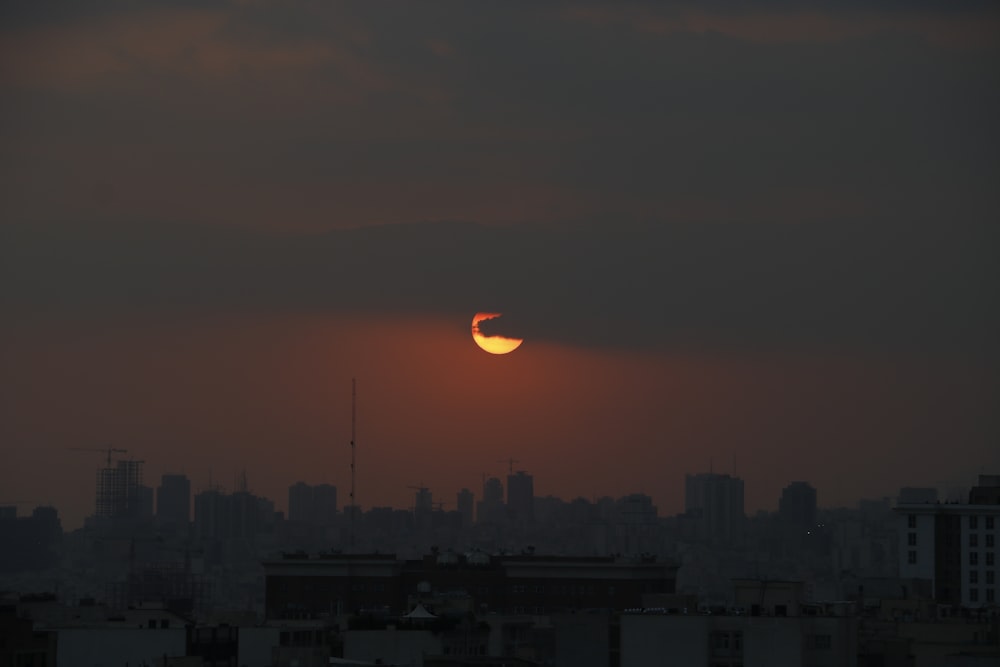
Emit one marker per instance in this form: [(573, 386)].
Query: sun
[(493, 344)]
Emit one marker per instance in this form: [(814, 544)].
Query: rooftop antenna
[(354, 419)]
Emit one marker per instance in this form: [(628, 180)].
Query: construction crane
[(510, 463), (109, 450)]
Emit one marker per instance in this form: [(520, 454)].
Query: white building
[(954, 545)]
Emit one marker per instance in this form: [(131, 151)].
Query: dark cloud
[(921, 285), (765, 176)]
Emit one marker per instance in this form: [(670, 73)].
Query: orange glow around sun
[(492, 344)]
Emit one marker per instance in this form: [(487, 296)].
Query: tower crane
[(109, 450)]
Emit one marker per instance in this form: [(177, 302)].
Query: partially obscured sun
[(493, 344)]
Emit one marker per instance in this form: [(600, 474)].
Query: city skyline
[(447, 499), (756, 234)]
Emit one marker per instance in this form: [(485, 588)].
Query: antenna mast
[(354, 419)]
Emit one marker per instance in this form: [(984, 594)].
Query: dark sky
[(762, 236)]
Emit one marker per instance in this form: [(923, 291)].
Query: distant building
[(521, 497), (797, 505), (29, 543), (954, 546), (715, 503), (314, 505), (119, 493), (173, 500), (465, 503), (911, 494), (491, 508)]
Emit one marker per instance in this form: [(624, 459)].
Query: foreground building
[(302, 587), (954, 546)]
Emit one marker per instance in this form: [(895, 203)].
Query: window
[(911, 521), (911, 558), (990, 557), (989, 576), (911, 539), (973, 558), (973, 540), (989, 541), (973, 595), (989, 523), (973, 522), (973, 576), (989, 595)]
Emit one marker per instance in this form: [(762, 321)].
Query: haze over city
[(754, 238)]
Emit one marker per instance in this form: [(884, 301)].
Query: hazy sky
[(762, 236)]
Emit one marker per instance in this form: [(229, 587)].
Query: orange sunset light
[(492, 344)]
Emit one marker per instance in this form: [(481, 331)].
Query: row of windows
[(974, 595), (973, 522), (974, 576), (974, 558), (974, 540)]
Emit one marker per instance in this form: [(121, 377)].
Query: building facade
[(954, 546), (301, 587)]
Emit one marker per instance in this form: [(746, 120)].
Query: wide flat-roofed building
[(299, 586)]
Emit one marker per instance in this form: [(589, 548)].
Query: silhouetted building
[(302, 587), (173, 500), (715, 502), (797, 505), (491, 507), (911, 494), (521, 497), (465, 503), (119, 493), (30, 543), (315, 505), (423, 507), (954, 546)]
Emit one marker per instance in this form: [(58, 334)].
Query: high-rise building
[(797, 505), (325, 504), (954, 545), (316, 505), (491, 508), (715, 502), (521, 497), (173, 500), (211, 514), (465, 504), (119, 492)]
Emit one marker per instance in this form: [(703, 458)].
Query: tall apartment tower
[(797, 505), (119, 491), (521, 497), (716, 503), (316, 505), (173, 500), (465, 504), (491, 508)]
